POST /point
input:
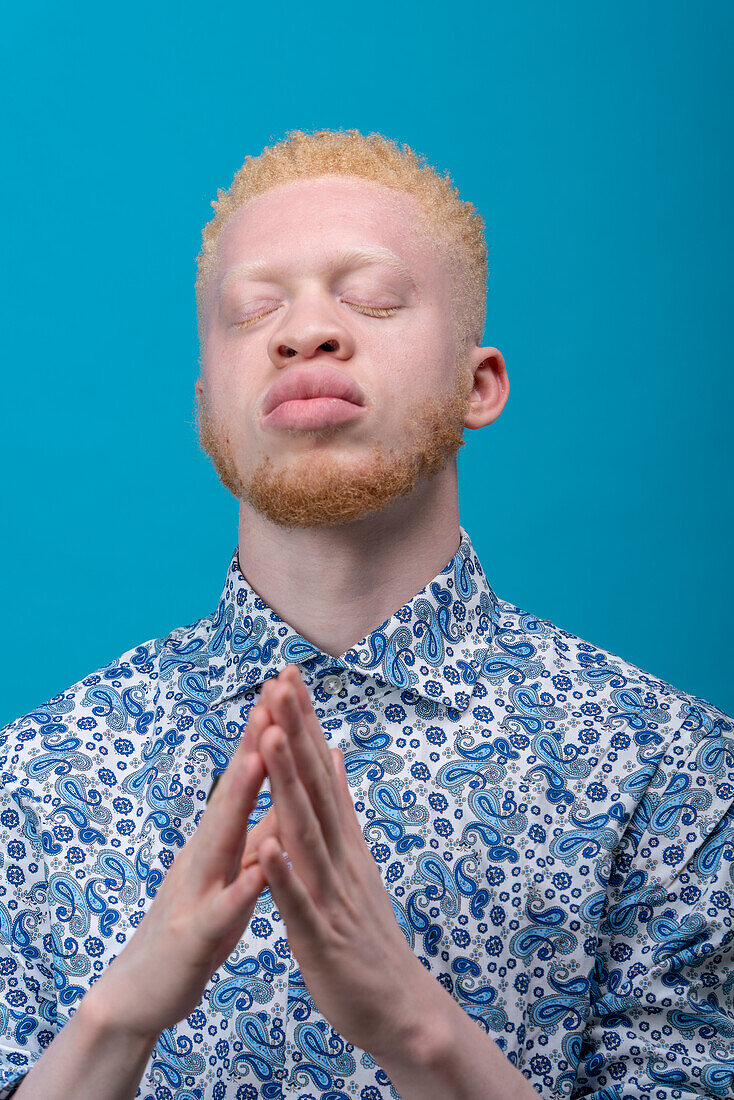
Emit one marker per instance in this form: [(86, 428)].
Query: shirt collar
[(435, 645)]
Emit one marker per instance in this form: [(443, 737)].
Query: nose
[(307, 329)]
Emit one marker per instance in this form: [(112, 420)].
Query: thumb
[(265, 828)]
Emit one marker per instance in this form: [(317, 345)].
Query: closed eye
[(373, 311), (255, 317), (369, 311)]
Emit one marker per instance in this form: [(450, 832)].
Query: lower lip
[(313, 413)]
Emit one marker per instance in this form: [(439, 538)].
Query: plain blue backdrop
[(595, 140)]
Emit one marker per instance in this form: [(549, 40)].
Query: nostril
[(330, 345)]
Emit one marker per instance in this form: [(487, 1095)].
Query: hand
[(340, 922), (202, 908), (260, 717)]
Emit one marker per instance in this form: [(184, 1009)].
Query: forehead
[(314, 218)]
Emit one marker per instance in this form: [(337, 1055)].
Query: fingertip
[(270, 849), (253, 879), (265, 717)]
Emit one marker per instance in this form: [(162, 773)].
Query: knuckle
[(309, 836), (340, 916)]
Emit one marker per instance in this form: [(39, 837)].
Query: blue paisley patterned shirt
[(554, 826)]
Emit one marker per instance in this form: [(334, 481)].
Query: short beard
[(319, 489)]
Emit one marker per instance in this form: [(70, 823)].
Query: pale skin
[(380, 559), (338, 914)]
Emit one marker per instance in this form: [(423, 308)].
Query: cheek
[(226, 381), (217, 407), (425, 356)]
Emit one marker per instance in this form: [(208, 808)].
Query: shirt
[(554, 826)]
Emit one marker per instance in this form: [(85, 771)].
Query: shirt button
[(333, 685)]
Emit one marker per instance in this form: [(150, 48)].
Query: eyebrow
[(352, 257)]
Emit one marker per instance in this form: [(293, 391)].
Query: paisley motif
[(554, 828)]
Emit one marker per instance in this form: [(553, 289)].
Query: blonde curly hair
[(454, 225)]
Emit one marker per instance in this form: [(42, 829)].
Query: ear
[(491, 387)]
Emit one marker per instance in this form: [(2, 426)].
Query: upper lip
[(302, 383)]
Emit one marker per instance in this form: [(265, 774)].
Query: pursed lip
[(306, 382)]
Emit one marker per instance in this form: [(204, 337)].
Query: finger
[(260, 832), (266, 689), (219, 838), (263, 710), (290, 895), (235, 904), (318, 780), (291, 674), (300, 829), (258, 720)]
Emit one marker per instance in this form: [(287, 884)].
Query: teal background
[(595, 140)]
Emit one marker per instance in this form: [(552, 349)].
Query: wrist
[(420, 1031), (441, 1053), (428, 1043), (104, 1016)]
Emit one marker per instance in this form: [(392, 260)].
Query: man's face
[(317, 301)]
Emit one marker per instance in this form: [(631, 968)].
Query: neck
[(335, 585)]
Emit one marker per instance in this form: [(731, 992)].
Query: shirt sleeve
[(661, 1025), (27, 996)]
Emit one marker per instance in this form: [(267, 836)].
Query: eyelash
[(369, 311), (251, 320), (374, 311)]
